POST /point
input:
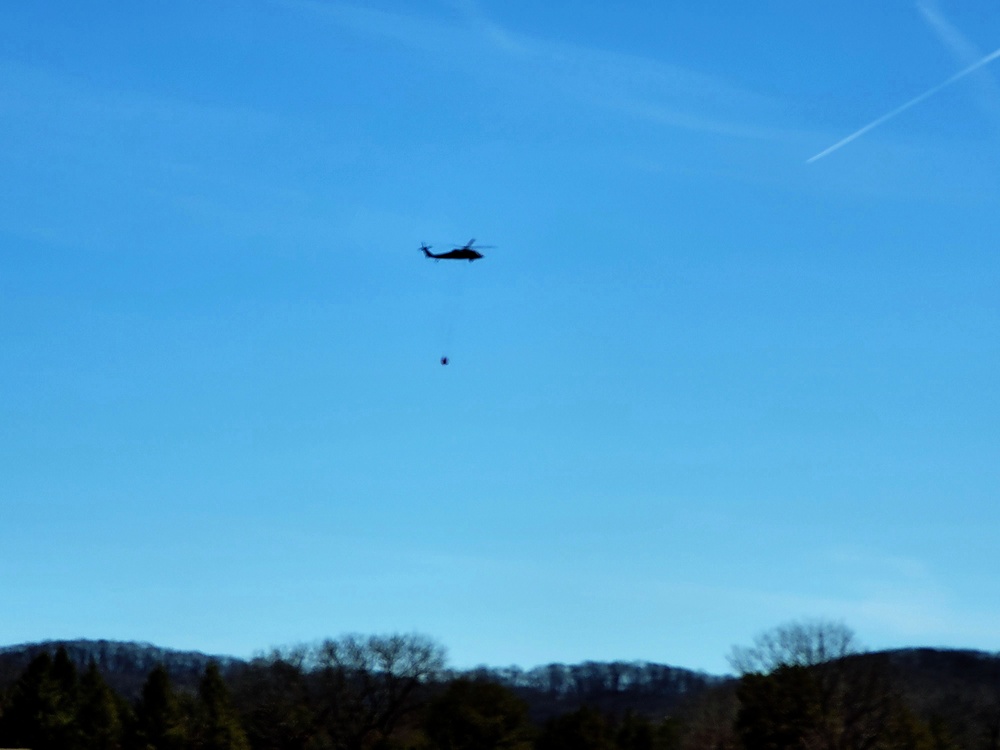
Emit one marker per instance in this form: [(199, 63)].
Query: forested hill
[(357, 692), (549, 690), (124, 665), (959, 689), (926, 672), (613, 687)]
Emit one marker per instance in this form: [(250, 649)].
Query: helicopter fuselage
[(462, 253)]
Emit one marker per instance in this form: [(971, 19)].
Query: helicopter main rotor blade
[(472, 246)]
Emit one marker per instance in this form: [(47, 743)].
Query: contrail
[(903, 107), (988, 94)]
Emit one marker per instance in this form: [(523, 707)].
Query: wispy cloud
[(640, 87), (954, 39), (966, 53), (105, 152), (896, 599), (422, 33), (891, 600), (963, 49)]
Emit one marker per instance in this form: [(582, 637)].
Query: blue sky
[(700, 388)]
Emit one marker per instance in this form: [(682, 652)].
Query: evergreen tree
[(98, 716), (637, 732), (65, 733), (585, 729), (275, 704), (160, 717), (478, 715), (30, 699), (217, 722), (41, 708), (780, 710)]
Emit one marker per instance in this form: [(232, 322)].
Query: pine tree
[(217, 723), (64, 732), (478, 715), (160, 718), (583, 729), (98, 717), (41, 709)]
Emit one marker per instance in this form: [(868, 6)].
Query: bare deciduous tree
[(351, 693), (806, 686), (369, 683), (797, 644)]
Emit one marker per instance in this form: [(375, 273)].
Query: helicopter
[(466, 252)]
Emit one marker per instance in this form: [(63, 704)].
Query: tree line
[(804, 686)]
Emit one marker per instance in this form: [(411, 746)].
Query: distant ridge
[(614, 687), (124, 664), (960, 687), (550, 689)]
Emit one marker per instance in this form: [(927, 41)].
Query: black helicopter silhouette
[(467, 252)]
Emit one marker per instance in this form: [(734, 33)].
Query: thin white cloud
[(651, 90), (963, 49), (499, 37), (98, 146), (965, 52), (639, 87), (967, 55), (890, 600), (898, 599), (426, 35), (903, 107)]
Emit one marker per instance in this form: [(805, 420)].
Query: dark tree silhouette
[(368, 684), (161, 720), (478, 715), (99, 716), (352, 693), (277, 704), (818, 693), (583, 729), (41, 709), (217, 724)]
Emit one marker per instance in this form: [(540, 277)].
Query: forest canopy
[(801, 685)]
